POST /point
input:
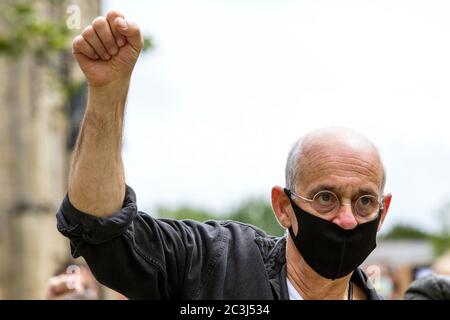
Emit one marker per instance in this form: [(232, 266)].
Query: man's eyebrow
[(322, 187), (364, 191)]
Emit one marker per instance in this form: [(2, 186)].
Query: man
[(333, 206)]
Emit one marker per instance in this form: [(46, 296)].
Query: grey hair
[(292, 170)]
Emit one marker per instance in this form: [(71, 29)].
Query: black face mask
[(328, 249)]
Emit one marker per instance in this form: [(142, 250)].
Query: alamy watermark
[(73, 21), (74, 277)]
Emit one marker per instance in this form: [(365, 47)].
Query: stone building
[(37, 126)]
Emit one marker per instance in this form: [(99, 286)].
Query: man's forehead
[(328, 153), (345, 157)]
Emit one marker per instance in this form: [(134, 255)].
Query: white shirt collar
[(293, 293)]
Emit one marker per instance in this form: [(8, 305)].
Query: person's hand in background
[(77, 285)]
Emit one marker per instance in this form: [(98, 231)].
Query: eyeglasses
[(326, 202)]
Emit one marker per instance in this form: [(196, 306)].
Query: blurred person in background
[(74, 281), (384, 279)]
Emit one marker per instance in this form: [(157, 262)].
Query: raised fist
[(108, 49)]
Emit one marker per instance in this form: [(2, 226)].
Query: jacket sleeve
[(137, 255)]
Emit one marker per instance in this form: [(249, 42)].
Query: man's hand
[(108, 49)]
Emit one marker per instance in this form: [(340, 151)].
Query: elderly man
[(333, 205)]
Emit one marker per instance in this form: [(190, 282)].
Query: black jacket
[(431, 287), (146, 258)]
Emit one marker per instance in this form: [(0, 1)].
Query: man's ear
[(387, 203), (281, 207)]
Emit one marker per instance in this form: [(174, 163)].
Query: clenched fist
[(108, 49)]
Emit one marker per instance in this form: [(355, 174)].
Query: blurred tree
[(24, 32), (441, 241), (256, 212), (401, 232), (259, 213), (185, 212), (28, 34)]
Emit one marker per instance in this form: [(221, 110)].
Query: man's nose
[(345, 217)]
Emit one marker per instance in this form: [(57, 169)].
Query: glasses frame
[(380, 201)]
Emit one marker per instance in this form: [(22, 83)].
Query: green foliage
[(400, 232), (259, 213), (185, 212), (148, 44), (256, 212), (441, 243), (24, 32)]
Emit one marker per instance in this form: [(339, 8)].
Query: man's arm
[(106, 52), (130, 252)]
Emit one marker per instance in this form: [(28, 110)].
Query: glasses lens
[(367, 206), (325, 202)]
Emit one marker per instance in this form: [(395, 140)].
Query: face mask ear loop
[(291, 232), (288, 194)]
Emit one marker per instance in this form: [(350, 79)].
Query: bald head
[(336, 151)]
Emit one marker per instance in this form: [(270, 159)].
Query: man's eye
[(366, 201), (325, 202), (325, 197)]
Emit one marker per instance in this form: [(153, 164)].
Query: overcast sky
[(231, 85)]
